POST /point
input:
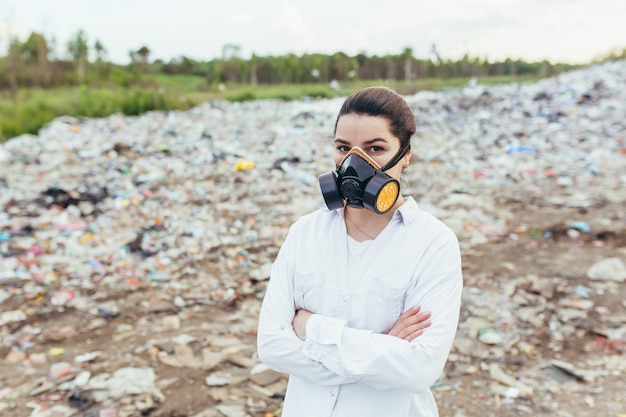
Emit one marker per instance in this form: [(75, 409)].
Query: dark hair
[(382, 101)]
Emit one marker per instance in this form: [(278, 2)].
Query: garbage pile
[(134, 251)]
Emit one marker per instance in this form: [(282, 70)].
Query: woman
[(344, 309)]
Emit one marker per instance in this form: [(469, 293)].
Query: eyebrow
[(367, 142)]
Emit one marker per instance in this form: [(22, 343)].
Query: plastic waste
[(244, 165), (580, 226)]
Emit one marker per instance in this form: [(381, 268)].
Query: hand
[(410, 324), (299, 323)]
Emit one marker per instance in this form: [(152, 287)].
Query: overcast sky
[(574, 31)]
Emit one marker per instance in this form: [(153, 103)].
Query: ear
[(407, 158)]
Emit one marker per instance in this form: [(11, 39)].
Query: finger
[(413, 336), (398, 325), (422, 317), (408, 330), (410, 312), (410, 317), (417, 318), (423, 325), (394, 330)]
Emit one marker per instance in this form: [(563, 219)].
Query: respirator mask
[(362, 183)]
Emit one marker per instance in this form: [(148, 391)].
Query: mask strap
[(403, 150)]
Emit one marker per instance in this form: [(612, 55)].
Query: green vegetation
[(34, 89), (36, 107)]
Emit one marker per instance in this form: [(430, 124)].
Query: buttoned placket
[(344, 308), (344, 305), (333, 393)]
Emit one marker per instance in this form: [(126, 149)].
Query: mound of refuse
[(134, 251)]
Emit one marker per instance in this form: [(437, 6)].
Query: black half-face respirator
[(361, 182)]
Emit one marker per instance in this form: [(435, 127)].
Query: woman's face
[(372, 134)]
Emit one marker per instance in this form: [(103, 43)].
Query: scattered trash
[(134, 256), (580, 226), (489, 336), (515, 388)]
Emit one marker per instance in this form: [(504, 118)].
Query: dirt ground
[(565, 261), (136, 336)]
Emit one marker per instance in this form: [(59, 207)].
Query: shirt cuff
[(324, 330)]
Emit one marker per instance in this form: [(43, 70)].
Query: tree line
[(33, 63)]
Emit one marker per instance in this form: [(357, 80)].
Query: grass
[(33, 108)]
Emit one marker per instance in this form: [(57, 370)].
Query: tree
[(143, 53), (253, 64), (140, 57), (435, 57), (100, 50), (100, 54), (340, 65), (391, 67), (79, 51), (407, 54), (180, 65), (35, 52), (230, 51), (13, 64)]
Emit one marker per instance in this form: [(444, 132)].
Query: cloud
[(237, 18), (529, 29), (291, 20)]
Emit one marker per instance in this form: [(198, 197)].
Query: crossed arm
[(410, 324), (324, 350)]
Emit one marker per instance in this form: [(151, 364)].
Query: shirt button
[(282, 327), (332, 394)]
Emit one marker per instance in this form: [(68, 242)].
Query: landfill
[(135, 251)]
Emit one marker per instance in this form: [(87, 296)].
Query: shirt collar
[(408, 211)]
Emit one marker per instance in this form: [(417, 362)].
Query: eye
[(343, 148), (376, 149)]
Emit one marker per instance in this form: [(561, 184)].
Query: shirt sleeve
[(277, 344), (386, 362)]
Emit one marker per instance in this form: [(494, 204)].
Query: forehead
[(356, 127)]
